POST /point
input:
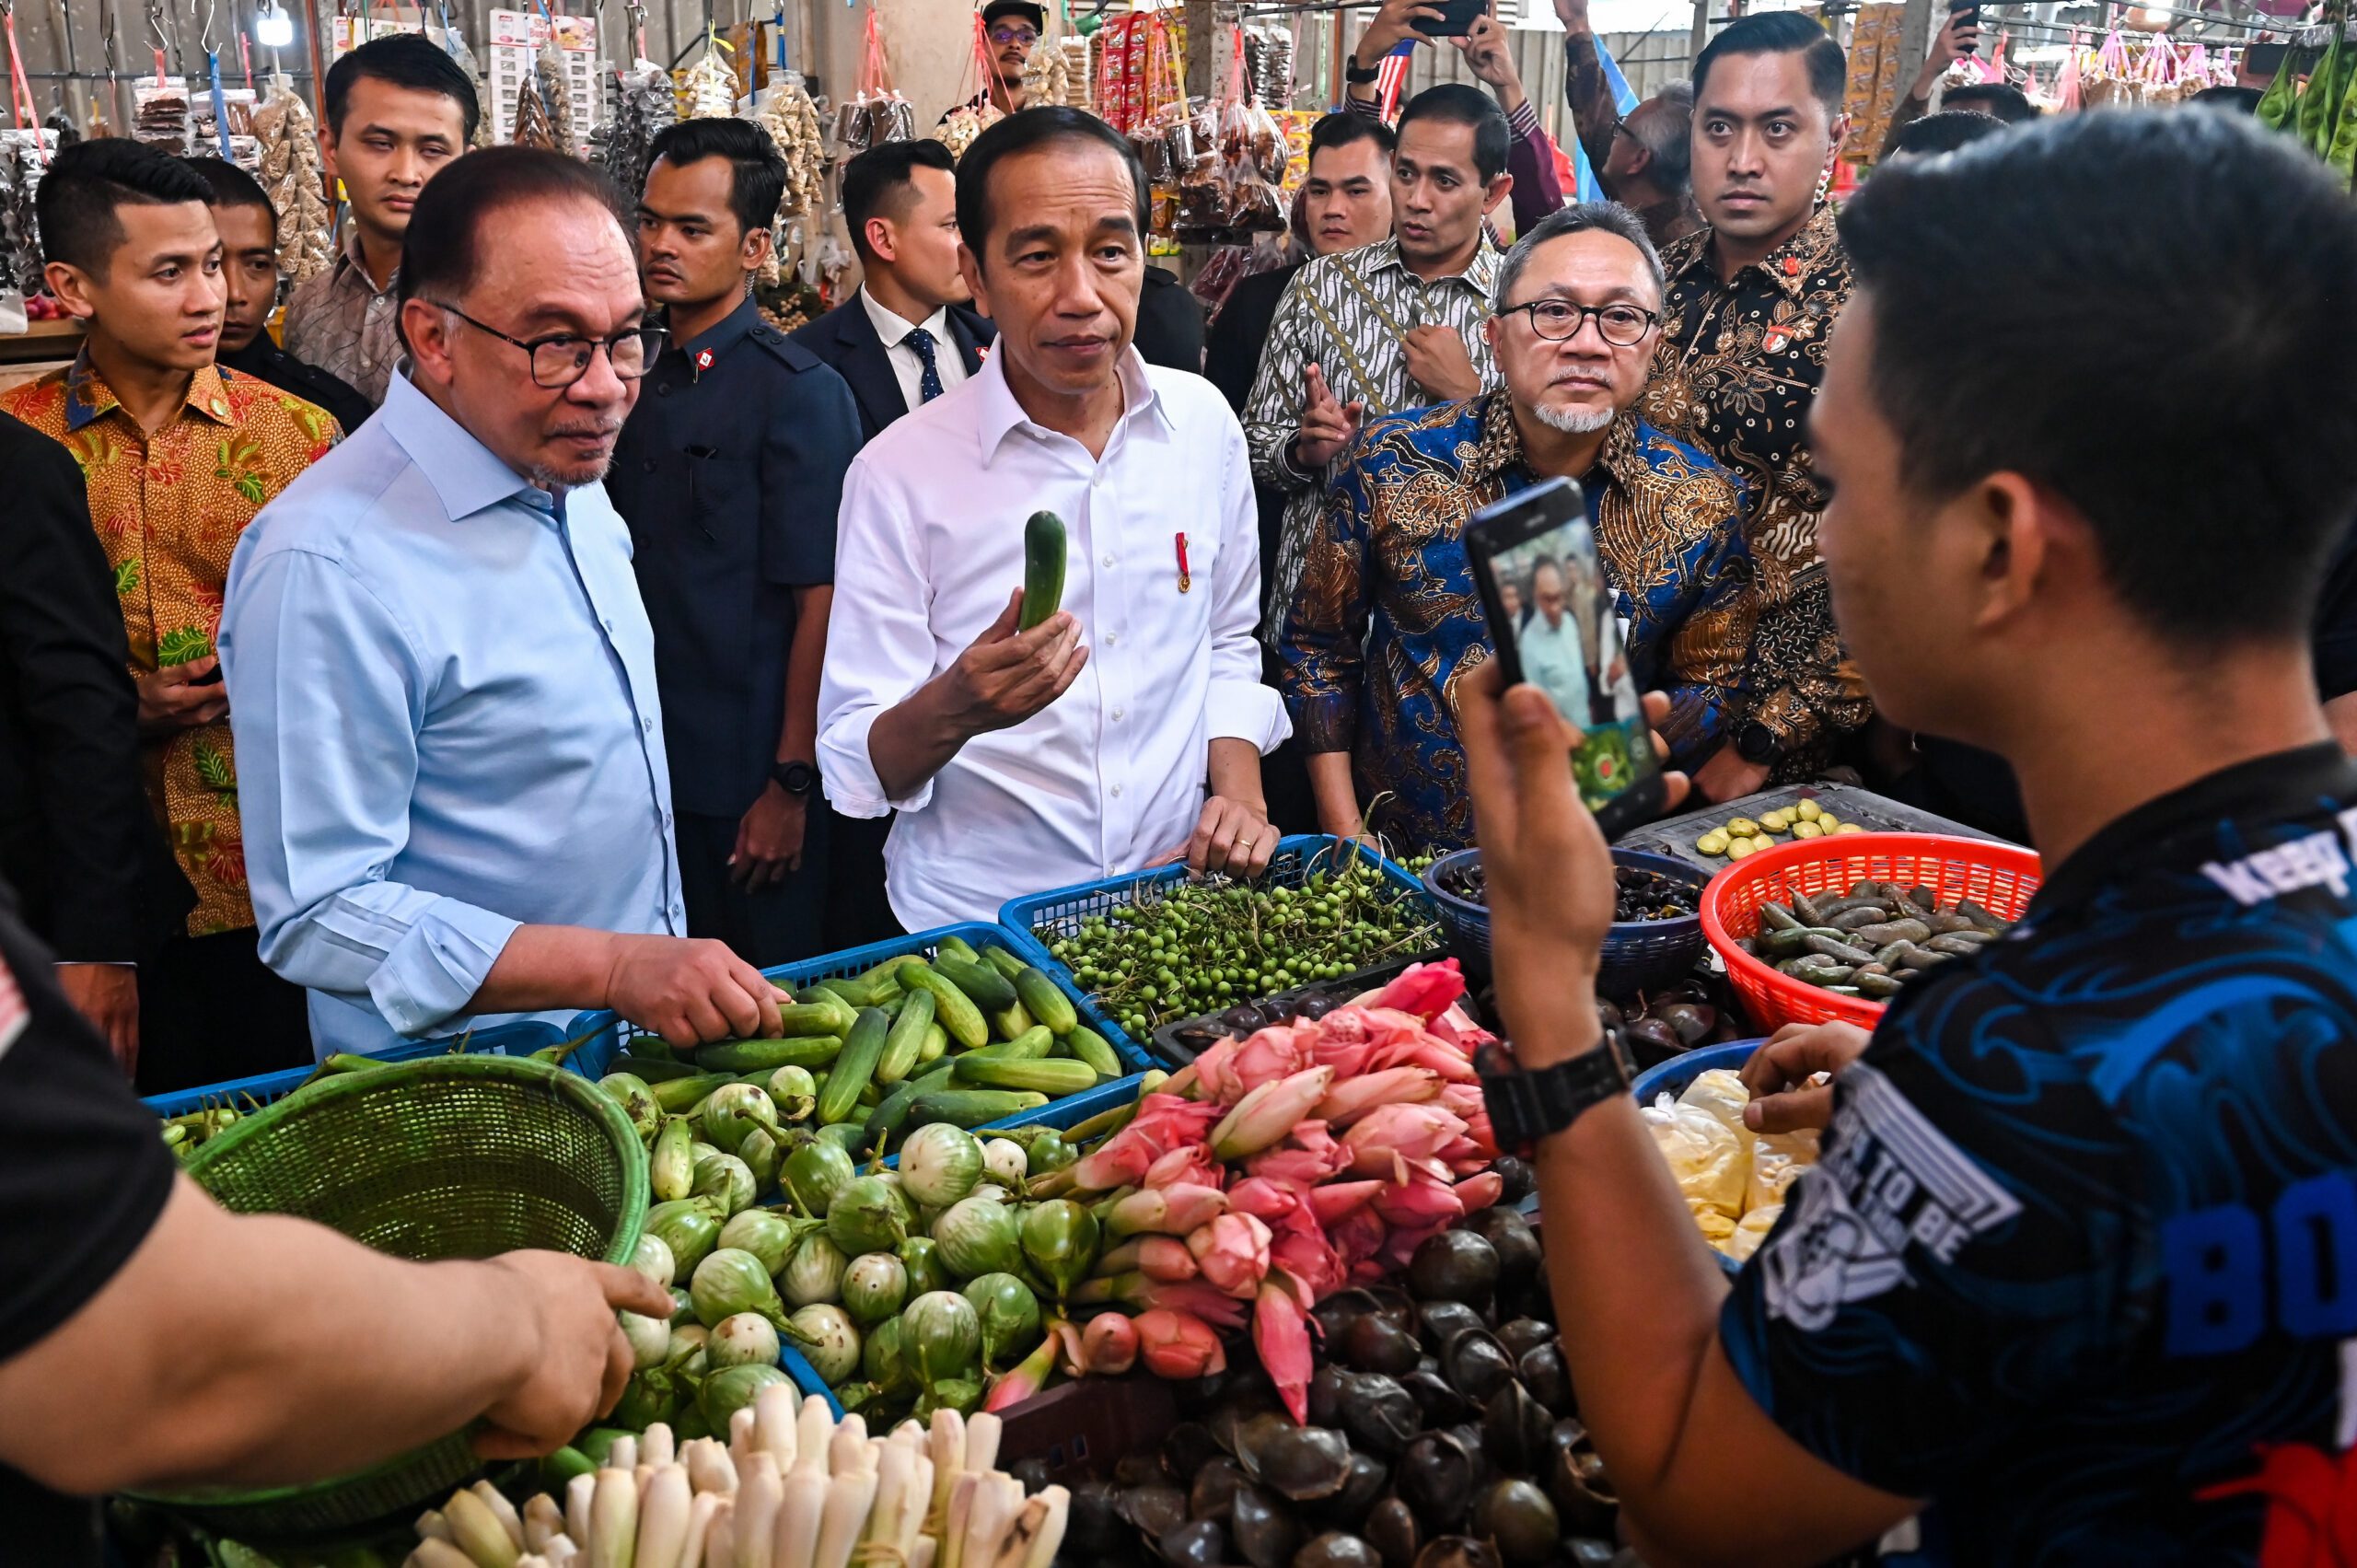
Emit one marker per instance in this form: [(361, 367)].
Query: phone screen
[(1555, 622)]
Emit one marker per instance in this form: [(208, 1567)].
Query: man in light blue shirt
[(453, 786)]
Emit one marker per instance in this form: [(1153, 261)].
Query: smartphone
[(1971, 10), (1456, 18), (1555, 622)]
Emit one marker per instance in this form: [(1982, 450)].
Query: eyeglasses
[(1024, 36), (561, 358), (1559, 321)]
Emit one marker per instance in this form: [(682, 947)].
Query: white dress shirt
[(1111, 775), (907, 368), (442, 684)]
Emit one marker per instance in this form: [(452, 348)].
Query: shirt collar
[(1500, 446), (891, 326), (351, 259), (2187, 821), (1481, 272), (997, 414), (725, 332), (88, 398), (467, 476), (1788, 267)]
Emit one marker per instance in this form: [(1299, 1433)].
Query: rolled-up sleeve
[(1240, 706), (879, 643), (326, 695)]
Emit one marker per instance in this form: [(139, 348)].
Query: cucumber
[(1007, 1023), (678, 1095), (1046, 1003), (1046, 1076), (1094, 1049), (956, 947), (888, 971), (768, 1055), (952, 1008), (990, 990), (1031, 1045), (936, 1041), (1043, 569), (1003, 961), (651, 1071), (862, 1049), (891, 1114), (845, 988), (833, 1015), (971, 1108), (845, 1135), (906, 1039)]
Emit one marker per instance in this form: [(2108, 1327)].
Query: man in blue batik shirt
[(2075, 1278), (1386, 619), (453, 784)]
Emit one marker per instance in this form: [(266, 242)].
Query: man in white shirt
[(1082, 747), (910, 332)]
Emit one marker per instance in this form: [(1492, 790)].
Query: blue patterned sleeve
[(1970, 1251), (1324, 632), (1709, 649)]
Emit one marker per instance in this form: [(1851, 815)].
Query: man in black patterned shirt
[(1751, 301)]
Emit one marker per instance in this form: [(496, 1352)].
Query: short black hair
[(85, 184), (1342, 128), (1782, 32), (2234, 100), (2001, 99), (1454, 103), (756, 169), (879, 181), (233, 187), (440, 251), (2053, 251), (1022, 131), (405, 60), (1944, 132)]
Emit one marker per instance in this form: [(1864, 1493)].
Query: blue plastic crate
[(602, 1035), (1061, 910), (506, 1039)]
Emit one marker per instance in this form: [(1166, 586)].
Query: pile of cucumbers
[(966, 1037)]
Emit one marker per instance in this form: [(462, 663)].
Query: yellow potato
[(1738, 848), (1742, 828), (1807, 829), (1713, 843), (1808, 811), (1849, 827)]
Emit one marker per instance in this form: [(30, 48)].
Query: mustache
[(600, 426)]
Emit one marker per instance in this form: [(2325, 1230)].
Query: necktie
[(929, 384)]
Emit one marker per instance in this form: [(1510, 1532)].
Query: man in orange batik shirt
[(178, 456)]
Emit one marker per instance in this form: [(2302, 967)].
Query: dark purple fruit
[(1510, 1236), (1437, 1402), (1442, 1320), (1456, 1552), (1544, 1373), (1520, 1179), (1336, 1549), (1188, 1447), (1476, 1364), (1199, 1543), (1375, 1343), (1264, 1528), (1516, 1518), (1651, 1041), (1520, 1336), (1392, 1531), (1153, 1511), (1380, 1416), (1437, 1477), (1453, 1265), (1216, 1484), (1329, 1387), (1303, 1462)]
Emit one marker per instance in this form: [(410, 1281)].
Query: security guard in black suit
[(729, 473)]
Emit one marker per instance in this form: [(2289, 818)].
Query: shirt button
[(649, 465), (1117, 715), (1112, 638), (663, 391), (1117, 792), (1108, 561), (646, 724), (608, 623)]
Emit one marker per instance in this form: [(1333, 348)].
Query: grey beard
[(1574, 422), (549, 480)]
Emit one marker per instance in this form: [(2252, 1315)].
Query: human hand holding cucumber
[(1008, 674), (690, 991)]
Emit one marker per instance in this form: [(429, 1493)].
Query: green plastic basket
[(447, 1156)]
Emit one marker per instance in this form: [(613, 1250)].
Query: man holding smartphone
[(2070, 1282)]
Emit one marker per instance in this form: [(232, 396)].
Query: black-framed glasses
[(1558, 321), (561, 358), (1022, 36)]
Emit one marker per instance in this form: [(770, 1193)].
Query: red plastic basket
[(1999, 877)]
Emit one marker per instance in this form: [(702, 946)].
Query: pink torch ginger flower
[(1390, 1135), (1462, 1100), (1262, 1198), (1233, 1253), (1164, 1259), (1425, 989), (1353, 1097), (1303, 1250), (1277, 1051), (1358, 1236), (1109, 1344), (1423, 1202), (1281, 1333), (1330, 1203), (1170, 1210), (1028, 1376), (1177, 1345), (1401, 1245), (1476, 1192), (1190, 1163), (1193, 1296), (1426, 1052), (1266, 1114), (1309, 1155), (1164, 1122)]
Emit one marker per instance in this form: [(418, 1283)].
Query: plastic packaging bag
[(1711, 1164)]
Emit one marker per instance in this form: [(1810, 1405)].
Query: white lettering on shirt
[(2312, 861)]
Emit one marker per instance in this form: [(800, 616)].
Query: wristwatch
[(1527, 1106), (1755, 742), (1358, 74), (796, 779)]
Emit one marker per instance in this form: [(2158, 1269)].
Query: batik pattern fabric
[(1738, 366), (1387, 619), (1349, 315), (168, 509), (344, 324)]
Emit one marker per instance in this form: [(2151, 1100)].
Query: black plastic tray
[(1876, 813), (1168, 1045)]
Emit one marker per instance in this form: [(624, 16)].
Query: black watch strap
[(795, 778), (1527, 1106), (1359, 75)]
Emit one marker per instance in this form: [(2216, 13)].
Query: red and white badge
[(704, 360), (1775, 340)]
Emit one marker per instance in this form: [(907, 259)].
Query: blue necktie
[(929, 384)]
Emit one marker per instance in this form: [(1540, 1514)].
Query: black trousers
[(780, 925), (857, 910), (209, 1010)]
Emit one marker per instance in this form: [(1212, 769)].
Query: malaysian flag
[(1391, 76)]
